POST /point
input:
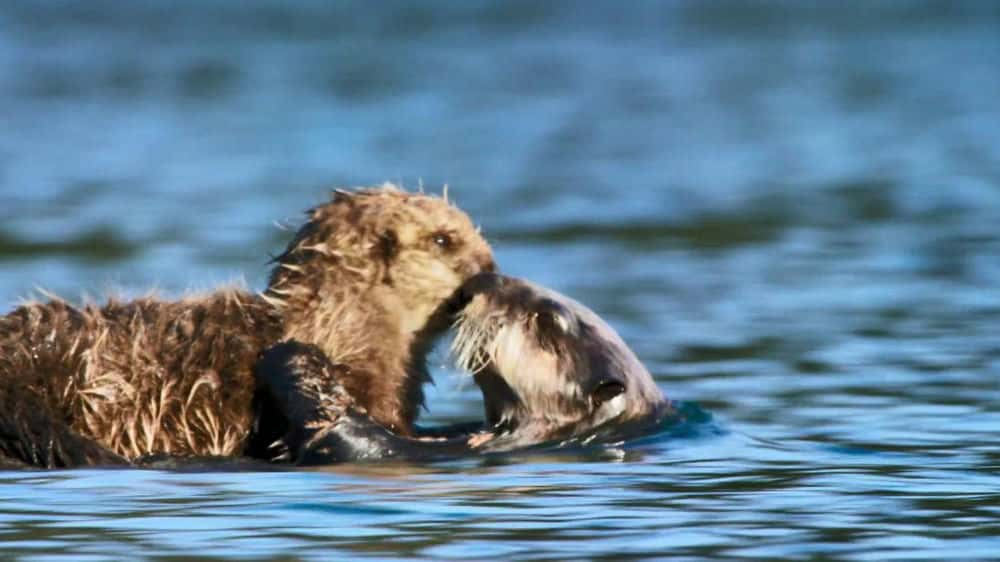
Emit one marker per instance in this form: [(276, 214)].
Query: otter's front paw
[(299, 390), (302, 382), (307, 417)]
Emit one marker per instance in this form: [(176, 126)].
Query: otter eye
[(607, 390), (443, 240), (556, 318), (563, 321)]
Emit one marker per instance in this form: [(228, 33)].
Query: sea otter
[(363, 281), (549, 368)]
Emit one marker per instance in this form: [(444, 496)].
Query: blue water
[(790, 210)]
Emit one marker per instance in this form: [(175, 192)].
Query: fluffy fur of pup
[(365, 279)]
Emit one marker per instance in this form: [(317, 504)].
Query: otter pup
[(549, 369), (364, 281)]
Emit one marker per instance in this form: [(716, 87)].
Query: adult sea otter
[(363, 283)]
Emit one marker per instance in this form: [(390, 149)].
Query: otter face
[(545, 360), (404, 253), (431, 249)]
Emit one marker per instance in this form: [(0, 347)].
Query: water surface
[(789, 210)]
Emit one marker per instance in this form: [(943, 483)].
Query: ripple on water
[(789, 210)]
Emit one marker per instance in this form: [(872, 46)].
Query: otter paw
[(302, 383)]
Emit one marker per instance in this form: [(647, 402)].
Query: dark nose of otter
[(606, 390), (479, 284)]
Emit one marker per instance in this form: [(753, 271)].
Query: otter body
[(365, 281), (550, 370), (130, 379)]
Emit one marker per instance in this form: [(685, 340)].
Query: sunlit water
[(791, 212)]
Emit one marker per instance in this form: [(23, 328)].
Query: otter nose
[(481, 283)]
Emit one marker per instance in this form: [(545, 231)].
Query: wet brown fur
[(364, 280)]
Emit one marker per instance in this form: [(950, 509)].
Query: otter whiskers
[(469, 346)]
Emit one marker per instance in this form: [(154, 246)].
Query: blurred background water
[(791, 210)]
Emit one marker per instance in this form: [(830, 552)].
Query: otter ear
[(607, 390)]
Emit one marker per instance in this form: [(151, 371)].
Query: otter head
[(403, 252), (367, 278), (546, 362)]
